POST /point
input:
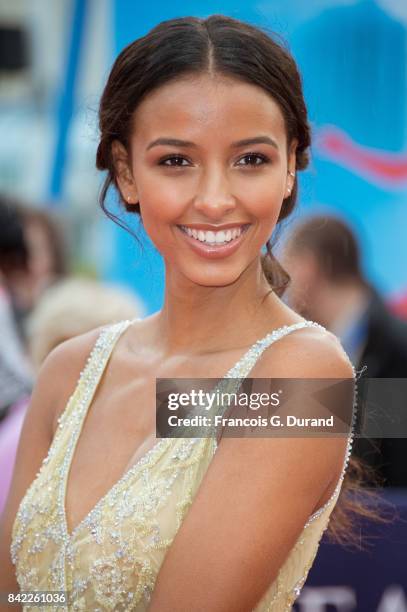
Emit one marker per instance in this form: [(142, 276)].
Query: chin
[(212, 278)]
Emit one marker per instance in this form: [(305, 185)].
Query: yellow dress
[(111, 559)]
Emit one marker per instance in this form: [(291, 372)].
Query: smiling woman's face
[(210, 176)]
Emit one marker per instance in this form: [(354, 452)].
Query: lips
[(233, 231), (215, 228), (215, 251)]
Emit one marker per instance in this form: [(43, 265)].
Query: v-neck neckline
[(132, 470), (69, 535)]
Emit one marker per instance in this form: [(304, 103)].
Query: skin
[(214, 183), (213, 311), (212, 304)]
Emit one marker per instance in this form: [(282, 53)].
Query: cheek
[(161, 204), (263, 196), (265, 208), (161, 207), (164, 201)]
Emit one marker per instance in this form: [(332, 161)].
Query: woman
[(203, 129)]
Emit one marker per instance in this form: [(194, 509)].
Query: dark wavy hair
[(224, 46), (190, 45)]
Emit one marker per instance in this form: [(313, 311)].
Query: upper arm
[(56, 381), (254, 501)]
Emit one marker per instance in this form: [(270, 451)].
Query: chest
[(117, 430)]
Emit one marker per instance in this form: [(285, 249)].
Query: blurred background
[(55, 56), (58, 252)]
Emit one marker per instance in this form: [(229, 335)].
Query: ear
[(124, 175), (291, 167)]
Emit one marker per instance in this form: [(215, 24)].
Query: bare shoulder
[(55, 383), (314, 353), (61, 370), (314, 463), (256, 495), (305, 353)]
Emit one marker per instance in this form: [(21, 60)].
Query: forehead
[(198, 104)]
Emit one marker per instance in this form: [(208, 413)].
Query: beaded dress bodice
[(111, 559)]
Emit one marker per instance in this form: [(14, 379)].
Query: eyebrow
[(175, 142)]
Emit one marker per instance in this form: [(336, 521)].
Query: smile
[(214, 245), (215, 238)]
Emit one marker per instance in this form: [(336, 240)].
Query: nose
[(214, 198)]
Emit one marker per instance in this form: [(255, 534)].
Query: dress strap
[(244, 366), (102, 351), (234, 378), (92, 372)]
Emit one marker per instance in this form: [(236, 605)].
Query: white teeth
[(211, 237)]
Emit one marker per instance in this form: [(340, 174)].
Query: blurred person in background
[(47, 256), (399, 306), (16, 377), (64, 311), (46, 242), (328, 286)]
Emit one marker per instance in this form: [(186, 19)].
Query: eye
[(177, 159), (257, 159)]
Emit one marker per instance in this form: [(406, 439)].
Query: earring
[(289, 188), (128, 200)]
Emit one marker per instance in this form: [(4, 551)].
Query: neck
[(202, 319)]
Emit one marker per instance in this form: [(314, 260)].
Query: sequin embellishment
[(111, 559)]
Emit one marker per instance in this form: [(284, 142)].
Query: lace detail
[(111, 559)]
